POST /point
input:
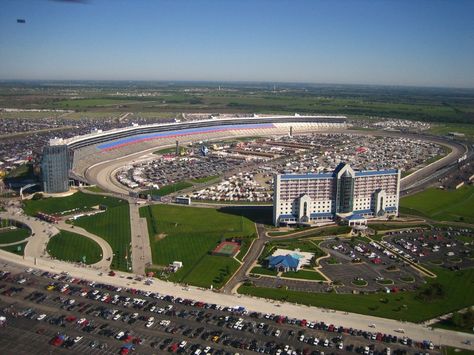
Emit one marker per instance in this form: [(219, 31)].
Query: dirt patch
[(160, 236)]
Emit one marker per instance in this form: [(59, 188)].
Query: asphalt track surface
[(101, 173)]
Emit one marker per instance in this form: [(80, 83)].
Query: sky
[(388, 42)]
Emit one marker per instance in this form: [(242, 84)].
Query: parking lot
[(55, 313), (447, 247), (362, 265)]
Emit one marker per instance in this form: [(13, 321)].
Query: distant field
[(189, 234), (29, 114), (68, 246), (442, 205), (92, 103), (12, 236), (79, 200), (94, 114), (458, 289), (443, 129)]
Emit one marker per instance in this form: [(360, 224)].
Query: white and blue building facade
[(344, 193)]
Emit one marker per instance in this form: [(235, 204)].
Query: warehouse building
[(344, 194)]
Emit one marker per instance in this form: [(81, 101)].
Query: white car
[(120, 335), (149, 324), (183, 344), (41, 317), (117, 316), (77, 339)]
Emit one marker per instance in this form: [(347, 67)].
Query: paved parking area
[(367, 261), (108, 317), (449, 247)]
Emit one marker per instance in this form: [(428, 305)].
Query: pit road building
[(344, 194)]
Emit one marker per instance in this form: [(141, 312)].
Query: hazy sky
[(395, 42)]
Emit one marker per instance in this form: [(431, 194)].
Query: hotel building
[(344, 193)]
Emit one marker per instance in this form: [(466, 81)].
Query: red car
[(58, 340), (173, 347)]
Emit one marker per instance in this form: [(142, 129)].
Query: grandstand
[(101, 146)]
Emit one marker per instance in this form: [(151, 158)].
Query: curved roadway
[(42, 232)]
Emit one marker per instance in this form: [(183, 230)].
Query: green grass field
[(263, 271), (169, 150), (304, 275), (204, 179), (445, 128), (188, 234), (169, 189), (14, 248), (79, 200), (68, 246), (448, 324), (94, 189), (442, 205), (114, 227), (458, 290), (13, 235), (211, 270), (314, 232), (446, 350)]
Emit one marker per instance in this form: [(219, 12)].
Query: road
[(141, 256), (42, 232), (253, 253), (141, 249), (107, 252)]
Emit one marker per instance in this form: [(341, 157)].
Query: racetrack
[(101, 174)]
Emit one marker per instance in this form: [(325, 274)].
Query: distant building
[(55, 166), (344, 193)]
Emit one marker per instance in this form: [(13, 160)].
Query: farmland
[(188, 234), (68, 246)]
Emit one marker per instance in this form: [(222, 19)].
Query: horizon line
[(261, 82)]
